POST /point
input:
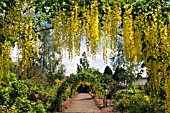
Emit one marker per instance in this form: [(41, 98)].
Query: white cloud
[(97, 63), (71, 65), (15, 53)]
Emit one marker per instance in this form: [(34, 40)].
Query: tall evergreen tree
[(107, 71)]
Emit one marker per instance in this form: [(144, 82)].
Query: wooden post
[(71, 91), (105, 100)]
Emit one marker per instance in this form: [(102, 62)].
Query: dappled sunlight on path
[(83, 103)]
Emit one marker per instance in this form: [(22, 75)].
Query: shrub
[(39, 107), (136, 101), (14, 96)]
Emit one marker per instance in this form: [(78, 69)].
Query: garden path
[(83, 103)]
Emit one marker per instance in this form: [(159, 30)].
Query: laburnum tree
[(144, 26)]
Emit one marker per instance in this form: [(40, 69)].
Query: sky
[(71, 64), (97, 63)]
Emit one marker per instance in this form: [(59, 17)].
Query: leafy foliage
[(14, 97), (134, 100)]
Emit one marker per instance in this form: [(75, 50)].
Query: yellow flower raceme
[(128, 35)]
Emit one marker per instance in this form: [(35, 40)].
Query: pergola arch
[(84, 78)]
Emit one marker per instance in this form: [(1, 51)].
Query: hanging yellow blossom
[(128, 39)]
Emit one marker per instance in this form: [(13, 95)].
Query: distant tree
[(119, 59), (119, 74), (124, 70), (49, 59), (84, 63), (107, 71)]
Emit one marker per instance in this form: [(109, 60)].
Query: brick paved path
[(83, 103)]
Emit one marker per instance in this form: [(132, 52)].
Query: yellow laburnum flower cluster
[(137, 25), (1, 67), (127, 32), (156, 54), (5, 60), (66, 31), (18, 29), (29, 44), (112, 21), (150, 31), (82, 83), (151, 40), (94, 28), (70, 28), (164, 53), (167, 82), (95, 86), (11, 32), (77, 38)]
